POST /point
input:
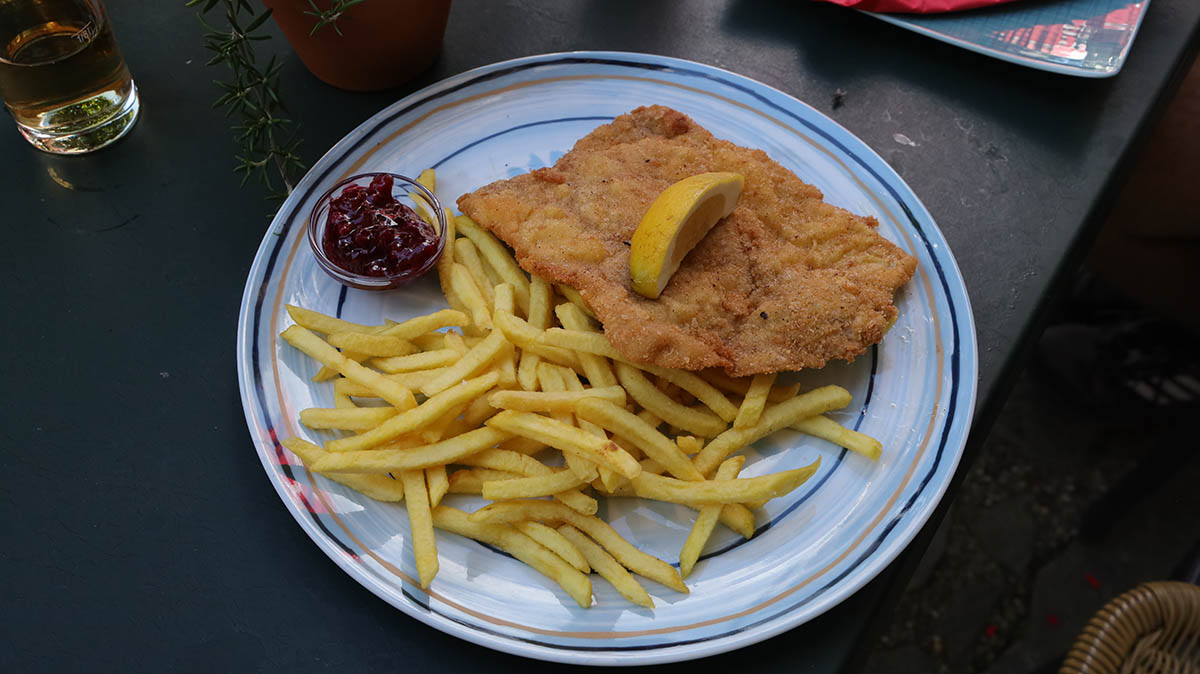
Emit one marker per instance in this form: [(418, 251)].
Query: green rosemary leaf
[(251, 94)]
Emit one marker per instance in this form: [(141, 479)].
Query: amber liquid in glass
[(62, 75)]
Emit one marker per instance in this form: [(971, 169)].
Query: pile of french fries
[(514, 394)]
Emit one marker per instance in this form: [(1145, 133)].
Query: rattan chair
[(1154, 627)]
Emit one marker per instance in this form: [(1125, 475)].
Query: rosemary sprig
[(269, 143), (329, 17)]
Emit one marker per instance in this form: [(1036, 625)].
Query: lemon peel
[(675, 223)]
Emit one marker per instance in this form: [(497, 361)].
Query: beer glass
[(62, 76)]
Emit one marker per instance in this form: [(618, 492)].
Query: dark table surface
[(139, 531)]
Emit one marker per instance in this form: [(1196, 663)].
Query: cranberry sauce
[(369, 233)]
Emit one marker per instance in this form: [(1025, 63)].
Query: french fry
[(430, 341), (650, 418), (372, 345), (535, 486), (326, 373), (597, 344), (479, 411), (629, 447), (422, 325), (608, 568), (740, 490), (437, 430), (421, 524), (356, 419), (827, 429), (342, 401), (479, 357), (506, 366), (524, 548), (645, 437), (718, 378), (555, 402), (471, 296), (438, 484), (781, 392), (596, 368), (515, 462), (578, 340), (651, 466), (498, 257), (426, 360), (755, 401), (566, 438), (321, 351), (630, 557), (528, 337), (540, 296), (523, 446), (450, 450), (418, 417), (470, 480), (775, 417), (574, 297), (574, 385), (702, 390), (327, 325), (466, 254), (647, 395), (706, 521), (527, 370), (539, 318), (555, 542), (409, 380), (378, 487), (673, 392), (455, 342), (740, 385), (428, 180), (506, 301), (445, 263), (506, 298), (492, 276), (736, 516), (571, 381), (688, 444), (551, 381)]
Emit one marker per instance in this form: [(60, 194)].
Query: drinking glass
[(62, 76)]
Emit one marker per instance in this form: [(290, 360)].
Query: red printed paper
[(916, 6)]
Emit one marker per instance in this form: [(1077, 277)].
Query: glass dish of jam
[(377, 231)]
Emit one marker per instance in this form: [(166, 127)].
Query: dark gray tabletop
[(139, 531)]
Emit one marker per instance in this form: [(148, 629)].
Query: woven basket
[(1153, 628)]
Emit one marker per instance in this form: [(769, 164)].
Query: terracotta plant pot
[(383, 43)]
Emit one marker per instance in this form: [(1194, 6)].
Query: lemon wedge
[(678, 220)]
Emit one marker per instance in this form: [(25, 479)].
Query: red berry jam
[(369, 233)]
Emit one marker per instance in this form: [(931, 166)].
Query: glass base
[(90, 138)]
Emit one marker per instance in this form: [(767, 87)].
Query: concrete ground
[(1087, 485), (1020, 568)]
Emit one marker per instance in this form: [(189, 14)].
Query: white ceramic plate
[(915, 391)]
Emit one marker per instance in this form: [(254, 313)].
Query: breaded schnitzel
[(785, 282)]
